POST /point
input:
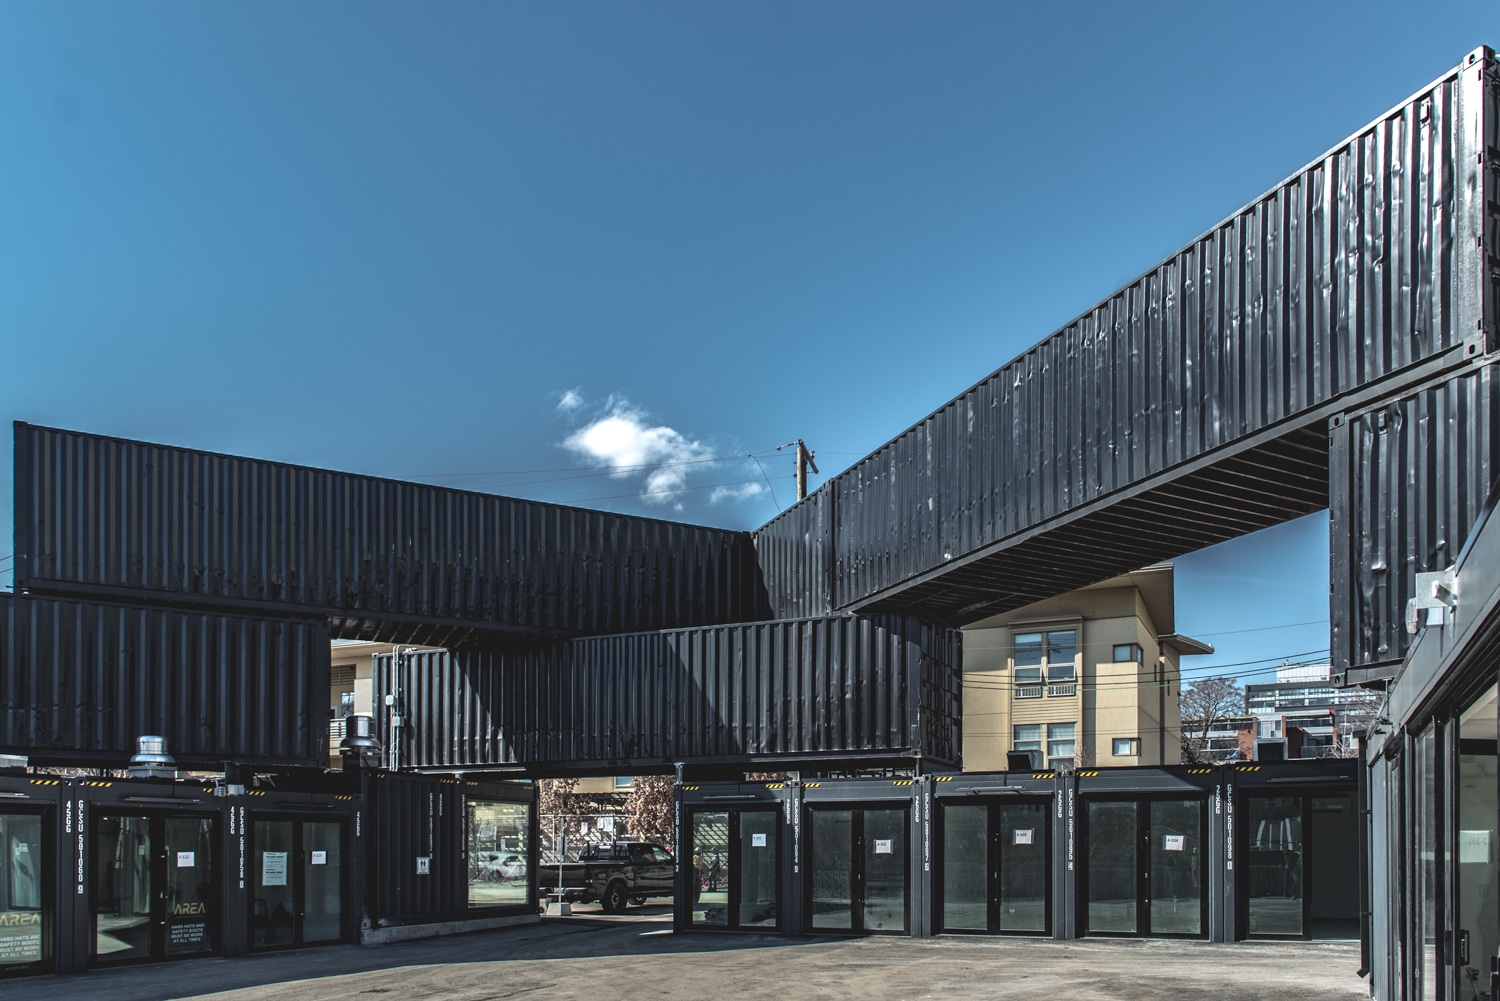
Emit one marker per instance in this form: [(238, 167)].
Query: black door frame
[(994, 850), (297, 867), (158, 875), (47, 876), (857, 874), (1143, 865), (736, 857)]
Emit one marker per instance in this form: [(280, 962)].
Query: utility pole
[(804, 462)]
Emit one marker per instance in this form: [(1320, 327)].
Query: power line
[(569, 469)]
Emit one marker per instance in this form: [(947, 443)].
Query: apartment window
[(1127, 747), (623, 781), (1053, 652), (1061, 744), (1127, 653), (1028, 737)]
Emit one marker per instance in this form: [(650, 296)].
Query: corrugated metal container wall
[(1408, 482), (416, 817), (838, 687), (1357, 266), (106, 517), (795, 550), (89, 678)]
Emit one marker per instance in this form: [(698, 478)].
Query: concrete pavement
[(593, 956)]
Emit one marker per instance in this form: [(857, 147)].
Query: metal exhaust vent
[(151, 760)]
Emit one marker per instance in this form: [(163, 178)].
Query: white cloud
[(738, 492), (570, 401), (625, 442)]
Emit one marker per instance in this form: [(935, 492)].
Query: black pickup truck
[(613, 874)]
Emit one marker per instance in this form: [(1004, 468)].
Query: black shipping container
[(840, 688), (418, 858), (82, 680), (1408, 482), (105, 517), (1367, 263)]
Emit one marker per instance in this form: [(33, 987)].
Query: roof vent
[(359, 735), (151, 760)]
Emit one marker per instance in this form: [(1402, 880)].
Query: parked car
[(497, 866), (614, 874)]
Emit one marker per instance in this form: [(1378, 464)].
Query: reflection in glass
[(1424, 809), (499, 847), (1273, 863), (1023, 867), (323, 911), (832, 863), (758, 872), (885, 870), (1113, 864), (965, 861), (1478, 874), (273, 907), (190, 845), (710, 855), (1176, 885), (1330, 871), (122, 915), (20, 889)]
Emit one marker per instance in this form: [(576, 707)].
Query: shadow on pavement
[(643, 932)]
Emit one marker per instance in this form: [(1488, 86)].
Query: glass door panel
[(885, 870), (1478, 876), (1024, 872), (20, 889), (966, 849), (1174, 882), (1273, 864), (1425, 864), (273, 896), (190, 905), (758, 871), (123, 888), (832, 869), (323, 864), (1113, 867), (710, 845)]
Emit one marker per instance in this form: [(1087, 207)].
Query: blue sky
[(444, 242)]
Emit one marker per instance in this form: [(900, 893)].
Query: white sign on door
[(319, 858), (273, 868), (185, 860), (883, 846), (1175, 842), (424, 865), (757, 840), (1024, 837)]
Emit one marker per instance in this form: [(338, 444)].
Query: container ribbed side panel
[(1409, 480), (105, 517), (85, 679), (1355, 268), (836, 687), (416, 817)]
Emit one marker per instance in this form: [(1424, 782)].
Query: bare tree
[(559, 797), (1204, 703), (650, 808)]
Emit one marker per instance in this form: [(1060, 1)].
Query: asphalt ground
[(595, 956)]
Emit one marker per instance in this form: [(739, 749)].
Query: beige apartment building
[(1086, 679)]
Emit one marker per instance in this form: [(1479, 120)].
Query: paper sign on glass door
[(319, 858), (882, 847), (757, 841), (185, 860), (1175, 842), (273, 868), (1024, 837)]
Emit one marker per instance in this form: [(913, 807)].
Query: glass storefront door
[(1477, 878), (858, 877), (23, 900), (297, 882), (735, 868), (1145, 867), (153, 886), (996, 871)]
